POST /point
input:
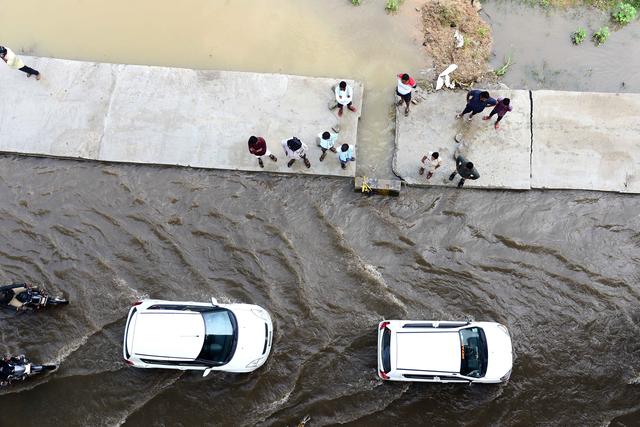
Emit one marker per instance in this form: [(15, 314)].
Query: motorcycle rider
[(9, 295), (8, 366)]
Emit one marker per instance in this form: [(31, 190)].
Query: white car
[(197, 336), (445, 352)]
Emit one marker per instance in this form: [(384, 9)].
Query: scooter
[(19, 369), (24, 297)]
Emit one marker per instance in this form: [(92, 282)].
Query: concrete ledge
[(588, 141), (501, 157), (171, 116)]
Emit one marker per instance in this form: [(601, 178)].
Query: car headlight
[(261, 314), (506, 376), (254, 363)]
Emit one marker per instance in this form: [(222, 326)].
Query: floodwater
[(560, 268), (539, 44)]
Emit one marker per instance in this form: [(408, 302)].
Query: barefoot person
[(501, 109), (406, 85), (344, 97), (327, 141), (346, 155), (258, 147), (430, 163), (15, 62), (295, 149), (476, 102)]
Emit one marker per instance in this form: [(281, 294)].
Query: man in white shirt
[(327, 141), (406, 85), (295, 149), (15, 62), (430, 162), (344, 97)]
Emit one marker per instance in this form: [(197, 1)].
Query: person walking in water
[(476, 102), (430, 163), (502, 107), (406, 85), (327, 141), (258, 147), (344, 97), (295, 149), (15, 62)]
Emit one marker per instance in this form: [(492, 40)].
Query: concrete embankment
[(552, 139), (169, 116)]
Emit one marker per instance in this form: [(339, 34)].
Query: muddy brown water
[(560, 268)]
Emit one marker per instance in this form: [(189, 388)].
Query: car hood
[(251, 336), (175, 335), (500, 351)]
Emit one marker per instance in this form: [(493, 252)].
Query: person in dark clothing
[(501, 109), (7, 368), (258, 147), (476, 102), (465, 169), (14, 61)]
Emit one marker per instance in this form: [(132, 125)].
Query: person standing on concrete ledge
[(15, 62), (295, 149), (406, 85), (346, 155), (501, 109), (430, 162), (465, 168), (258, 147), (344, 97), (476, 102), (326, 141)]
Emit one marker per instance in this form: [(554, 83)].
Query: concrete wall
[(172, 116)]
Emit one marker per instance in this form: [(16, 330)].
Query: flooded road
[(559, 268)]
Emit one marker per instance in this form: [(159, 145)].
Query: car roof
[(428, 351), (168, 334)]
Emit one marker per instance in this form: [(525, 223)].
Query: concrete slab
[(171, 116), (586, 141), (502, 157)]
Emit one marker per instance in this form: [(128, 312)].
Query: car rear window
[(221, 332), (386, 350)]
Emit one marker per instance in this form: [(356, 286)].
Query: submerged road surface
[(559, 268)]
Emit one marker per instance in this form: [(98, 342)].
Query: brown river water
[(560, 268)]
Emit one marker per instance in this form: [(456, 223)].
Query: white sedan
[(445, 352), (197, 336)]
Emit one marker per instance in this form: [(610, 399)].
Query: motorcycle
[(19, 369), (23, 297)]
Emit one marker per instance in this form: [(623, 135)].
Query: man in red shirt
[(258, 147)]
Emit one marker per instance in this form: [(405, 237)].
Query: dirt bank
[(441, 18)]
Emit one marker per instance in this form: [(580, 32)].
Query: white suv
[(199, 336), (445, 352)]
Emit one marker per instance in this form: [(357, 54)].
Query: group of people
[(295, 149), (14, 61), (477, 101)]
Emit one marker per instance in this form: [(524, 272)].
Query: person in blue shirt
[(346, 155), (477, 101)]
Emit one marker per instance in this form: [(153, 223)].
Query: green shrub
[(601, 35), (578, 36), (355, 2), (623, 13), (393, 5), (483, 31)]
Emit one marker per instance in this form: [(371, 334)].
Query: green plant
[(600, 36), (483, 31), (355, 2), (393, 5), (503, 70), (623, 13), (578, 36)]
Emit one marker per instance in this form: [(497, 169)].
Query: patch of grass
[(578, 36), (623, 13), (600, 36), (393, 5), (483, 31), (355, 2), (448, 15), (503, 70)]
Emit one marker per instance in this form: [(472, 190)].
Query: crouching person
[(295, 149)]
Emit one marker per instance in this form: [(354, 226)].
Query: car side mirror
[(214, 301), (206, 372)]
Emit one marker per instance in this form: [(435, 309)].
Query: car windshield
[(220, 336), (386, 350), (474, 352)]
